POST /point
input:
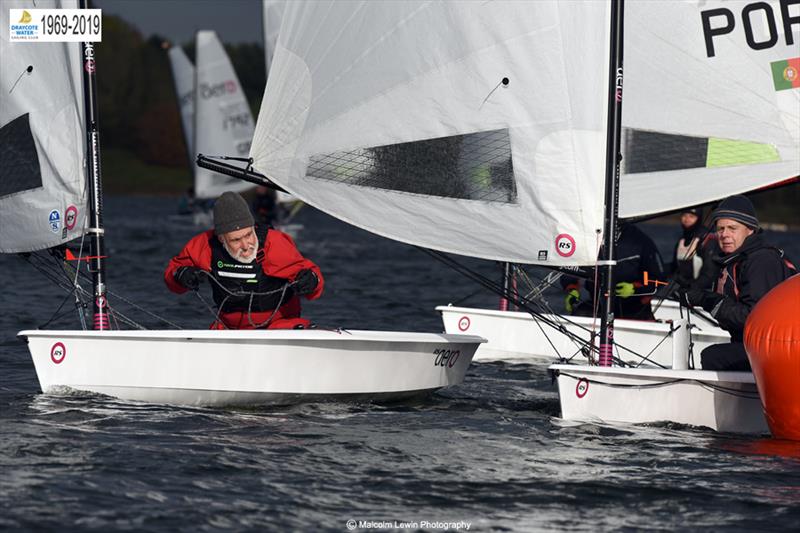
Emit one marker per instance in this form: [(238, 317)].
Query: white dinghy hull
[(241, 368), (516, 335), (723, 401)]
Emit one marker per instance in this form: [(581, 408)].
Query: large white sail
[(394, 116), (710, 108), (223, 120), (183, 77), (43, 192), (272, 12)]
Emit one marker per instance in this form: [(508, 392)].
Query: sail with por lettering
[(709, 107), (470, 127), (223, 120), (43, 195), (183, 78)]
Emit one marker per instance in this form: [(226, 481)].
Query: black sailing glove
[(305, 282), (190, 277)]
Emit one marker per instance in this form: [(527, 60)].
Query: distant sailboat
[(223, 122), (215, 117), (183, 76), (52, 194)]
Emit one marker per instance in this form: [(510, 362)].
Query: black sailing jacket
[(745, 277)]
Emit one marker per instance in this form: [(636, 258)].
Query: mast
[(506, 283), (96, 231), (613, 158)]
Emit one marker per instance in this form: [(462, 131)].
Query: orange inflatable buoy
[(772, 341)]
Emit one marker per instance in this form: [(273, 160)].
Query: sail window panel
[(647, 151), (19, 160), (475, 166)]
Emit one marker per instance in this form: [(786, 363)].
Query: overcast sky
[(235, 21)]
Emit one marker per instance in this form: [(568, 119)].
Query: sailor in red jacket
[(256, 274)]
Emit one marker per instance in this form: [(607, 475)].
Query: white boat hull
[(516, 335), (222, 368), (722, 401)]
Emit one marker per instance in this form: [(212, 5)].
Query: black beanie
[(738, 208), (231, 213), (695, 211)]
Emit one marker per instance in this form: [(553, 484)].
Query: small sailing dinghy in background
[(50, 136), (215, 115), (216, 118), (500, 139)]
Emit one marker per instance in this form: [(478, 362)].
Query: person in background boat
[(186, 202), (637, 254), (694, 251), (266, 207), (256, 274), (748, 268)]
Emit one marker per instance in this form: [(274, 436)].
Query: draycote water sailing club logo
[(24, 29)]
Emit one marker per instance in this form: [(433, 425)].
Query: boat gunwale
[(295, 336)]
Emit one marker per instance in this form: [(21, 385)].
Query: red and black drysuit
[(278, 261)]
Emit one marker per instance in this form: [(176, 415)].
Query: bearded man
[(256, 274)]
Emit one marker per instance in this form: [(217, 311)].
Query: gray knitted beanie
[(231, 213)]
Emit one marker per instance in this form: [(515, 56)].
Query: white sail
[(703, 112), (272, 11), (223, 120), (393, 116), (43, 195), (183, 77)]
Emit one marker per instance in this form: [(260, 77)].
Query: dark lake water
[(491, 453)]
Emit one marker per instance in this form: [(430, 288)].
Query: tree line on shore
[(138, 107)]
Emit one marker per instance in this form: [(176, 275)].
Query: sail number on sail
[(721, 21)]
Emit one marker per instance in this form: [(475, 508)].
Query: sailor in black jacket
[(748, 268)]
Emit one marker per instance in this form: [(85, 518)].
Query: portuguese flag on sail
[(786, 74)]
